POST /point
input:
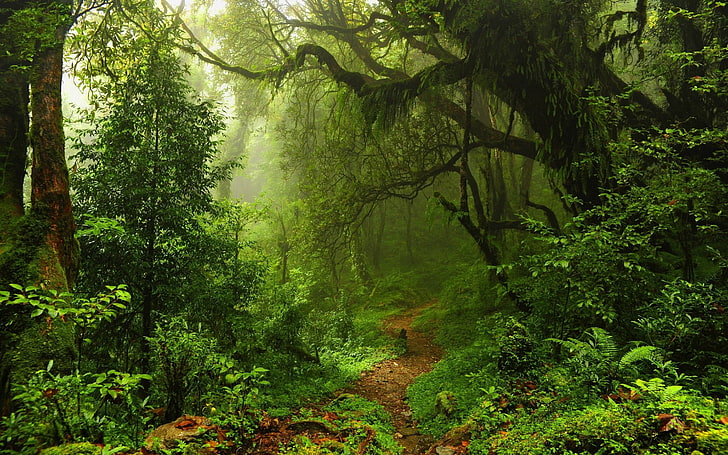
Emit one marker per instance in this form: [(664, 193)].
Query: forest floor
[(387, 382)]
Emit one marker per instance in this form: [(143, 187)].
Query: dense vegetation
[(254, 187)]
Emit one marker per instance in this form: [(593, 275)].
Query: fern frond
[(669, 393), (602, 342), (638, 354), (572, 345)]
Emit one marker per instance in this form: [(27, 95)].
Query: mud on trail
[(387, 382)]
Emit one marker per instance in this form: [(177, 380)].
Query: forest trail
[(387, 382)]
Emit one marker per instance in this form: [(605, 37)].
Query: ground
[(387, 382)]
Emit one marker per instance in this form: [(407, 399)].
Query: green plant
[(84, 314), (371, 423), (687, 320), (516, 347), (183, 357), (597, 360), (232, 404), (54, 408)]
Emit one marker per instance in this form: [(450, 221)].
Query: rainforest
[(381, 227)]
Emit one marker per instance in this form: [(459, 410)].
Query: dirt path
[(387, 383)]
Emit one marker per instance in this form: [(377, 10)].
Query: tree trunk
[(15, 255), (50, 197), (14, 99), (39, 248)]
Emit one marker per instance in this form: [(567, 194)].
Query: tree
[(147, 164), (541, 60), (37, 246), (33, 35)]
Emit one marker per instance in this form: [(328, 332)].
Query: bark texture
[(50, 197)]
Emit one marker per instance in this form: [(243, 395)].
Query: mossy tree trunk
[(49, 253), (50, 197), (14, 99), (36, 247)]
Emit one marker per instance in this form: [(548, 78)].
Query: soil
[(387, 382)]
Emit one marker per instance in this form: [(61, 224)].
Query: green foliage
[(182, 358), (606, 429), (362, 413), (30, 30), (312, 346), (232, 405), (147, 167), (516, 348), (597, 362), (81, 448), (60, 317), (57, 407), (54, 408), (444, 397), (647, 417), (652, 226), (687, 320)]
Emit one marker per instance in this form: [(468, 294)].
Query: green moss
[(37, 345), (18, 260), (81, 448)]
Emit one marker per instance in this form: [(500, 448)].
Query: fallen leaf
[(669, 422)]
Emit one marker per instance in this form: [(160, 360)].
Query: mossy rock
[(81, 448), (714, 441)]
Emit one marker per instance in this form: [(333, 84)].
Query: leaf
[(669, 422)]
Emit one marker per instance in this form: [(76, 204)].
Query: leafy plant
[(232, 404), (183, 357), (55, 408), (596, 360), (687, 320)]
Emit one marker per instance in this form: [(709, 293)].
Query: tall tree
[(148, 163), (43, 250), (37, 246)]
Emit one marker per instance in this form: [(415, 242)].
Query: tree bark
[(14, 99), (50, 196)]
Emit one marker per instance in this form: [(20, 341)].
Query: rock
[(185, 429), (409, 431), (442, 450)]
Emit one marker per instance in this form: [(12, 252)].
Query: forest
[(384, 227)]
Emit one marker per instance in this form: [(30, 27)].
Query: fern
[(602, 342), (656, 388), (639, 354)]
